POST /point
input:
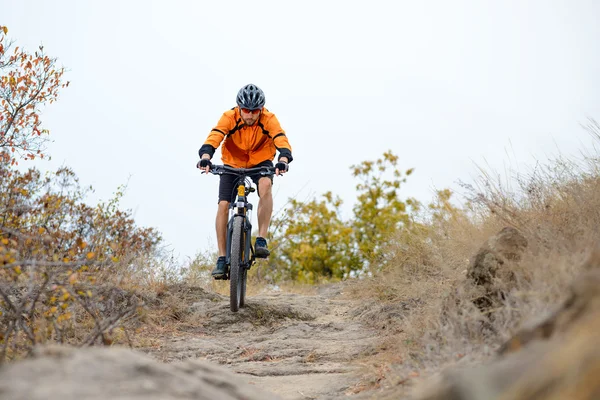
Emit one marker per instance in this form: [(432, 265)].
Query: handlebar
[(227, 170)]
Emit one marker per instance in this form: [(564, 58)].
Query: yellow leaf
[(64, 306), (18, 269), (5, 29), (54, 309), (90, 255), (4, 241), (89, 293), (64, 317)]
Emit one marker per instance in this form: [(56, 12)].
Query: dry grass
[(557, 208)]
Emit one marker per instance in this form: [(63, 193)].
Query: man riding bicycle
[(252, 135)]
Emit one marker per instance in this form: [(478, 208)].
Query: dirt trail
[(295, 346)]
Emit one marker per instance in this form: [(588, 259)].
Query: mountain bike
[(240, 252)]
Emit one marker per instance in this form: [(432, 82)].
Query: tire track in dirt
[(295, 346)]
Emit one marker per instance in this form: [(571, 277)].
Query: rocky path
[(295, 346)]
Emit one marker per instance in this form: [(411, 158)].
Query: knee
[(264, 187), (223, 207)]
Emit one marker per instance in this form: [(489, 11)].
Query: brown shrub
[(63, 264)]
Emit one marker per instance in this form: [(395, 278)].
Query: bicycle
[(239, 250)]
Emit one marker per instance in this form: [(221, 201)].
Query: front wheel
[(237, 275)]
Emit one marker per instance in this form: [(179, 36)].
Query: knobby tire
[(236, 271), (243, 291)]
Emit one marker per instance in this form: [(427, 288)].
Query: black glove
[(203, 163), (282, 166)]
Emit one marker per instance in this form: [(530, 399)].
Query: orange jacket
[(247, 146)]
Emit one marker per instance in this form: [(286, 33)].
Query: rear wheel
[(237, 274)]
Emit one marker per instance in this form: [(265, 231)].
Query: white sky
[(444, 85)]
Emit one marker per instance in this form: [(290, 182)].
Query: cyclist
[(251, 135)]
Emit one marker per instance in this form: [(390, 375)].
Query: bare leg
[(221, 225), (265, 206)]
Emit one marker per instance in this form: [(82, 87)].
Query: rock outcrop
[(489, 277), (118, 374), (490, 269)]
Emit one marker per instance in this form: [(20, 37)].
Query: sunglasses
[(247, 111)]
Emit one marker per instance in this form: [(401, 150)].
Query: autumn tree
[(379, 210), (62, 261), (313, 242), (28, 81)]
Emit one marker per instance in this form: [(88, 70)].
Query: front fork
[(247, 227)]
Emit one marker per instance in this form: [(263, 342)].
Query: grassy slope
[(557, 207)]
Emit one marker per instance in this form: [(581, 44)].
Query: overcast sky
[(444, 84)]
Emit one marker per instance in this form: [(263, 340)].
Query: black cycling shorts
[(228, 188)]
